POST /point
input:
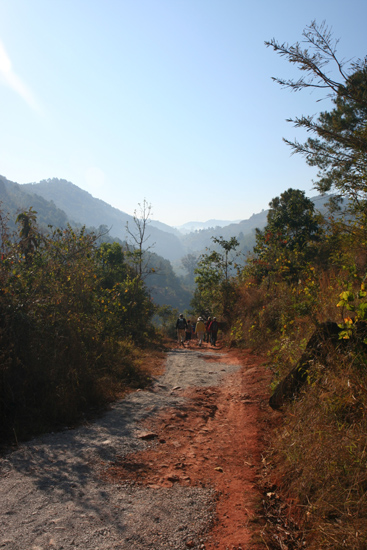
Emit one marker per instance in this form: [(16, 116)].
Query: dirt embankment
[(172, 467)]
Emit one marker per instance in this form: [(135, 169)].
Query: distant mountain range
[(59, 202), (189, 227)]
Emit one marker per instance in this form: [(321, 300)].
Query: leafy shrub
[(66, 309)]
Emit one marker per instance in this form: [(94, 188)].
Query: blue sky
[(167, 100)]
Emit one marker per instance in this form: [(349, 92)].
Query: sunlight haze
[(165, 100)]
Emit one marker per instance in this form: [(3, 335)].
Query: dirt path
[(173, 467)]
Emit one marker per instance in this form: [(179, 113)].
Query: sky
[(168, 101)]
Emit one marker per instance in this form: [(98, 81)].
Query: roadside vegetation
[(75, 319), (306, 270)]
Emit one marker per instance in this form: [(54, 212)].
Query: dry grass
[(322, 450), (152, 362)]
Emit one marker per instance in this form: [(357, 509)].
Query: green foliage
[(339, 145), (167, 317), (213, 279), (66, 307), (286, 244), (352, 301), (113, 268), (292, 218)]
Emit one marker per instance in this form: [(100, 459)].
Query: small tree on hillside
[(138, 252), (29, 233), (214, 285)]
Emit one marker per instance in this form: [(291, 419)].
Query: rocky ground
[(175, 466)]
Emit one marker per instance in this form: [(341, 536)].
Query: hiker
[(213, 329), (207, 332), (180, 327), (200, 330), (188, 331)]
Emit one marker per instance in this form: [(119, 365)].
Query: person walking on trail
[(200, 330), (213, 329), (207, 332), (181, 329)]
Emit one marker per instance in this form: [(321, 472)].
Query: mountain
[(244, 231), (189, 227), (58, 201), (164, 285), (165, 227), (14, 199), (197, 241), (81, 207)]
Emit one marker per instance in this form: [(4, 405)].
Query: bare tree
[(138, 252)]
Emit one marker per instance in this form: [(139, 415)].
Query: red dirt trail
[(215, 439)]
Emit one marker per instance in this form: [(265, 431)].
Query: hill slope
[(82, 207), (14, 198), (165, 287)]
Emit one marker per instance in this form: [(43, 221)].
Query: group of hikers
[(205, 331)]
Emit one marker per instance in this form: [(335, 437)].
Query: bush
[(65, 335)]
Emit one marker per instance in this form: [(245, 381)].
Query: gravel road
[(53, 495)]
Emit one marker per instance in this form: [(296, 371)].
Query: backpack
[(181, 323), (214, 326)]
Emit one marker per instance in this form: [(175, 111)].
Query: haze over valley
[(58, 202)]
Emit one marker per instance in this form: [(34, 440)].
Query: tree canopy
[(284, 245), (339, 143), (213, 278), (292, 219)]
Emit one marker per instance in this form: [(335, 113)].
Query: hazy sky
[(167, 100)]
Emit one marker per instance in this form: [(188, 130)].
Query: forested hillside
[(80, 206), (60, 201), (14, 199), (164, 285)]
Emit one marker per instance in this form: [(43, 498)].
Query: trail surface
[(171, 467)]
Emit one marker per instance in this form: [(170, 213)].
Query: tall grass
[(324, 447)]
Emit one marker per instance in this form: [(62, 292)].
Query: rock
[(146, 436), (173, 478)]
